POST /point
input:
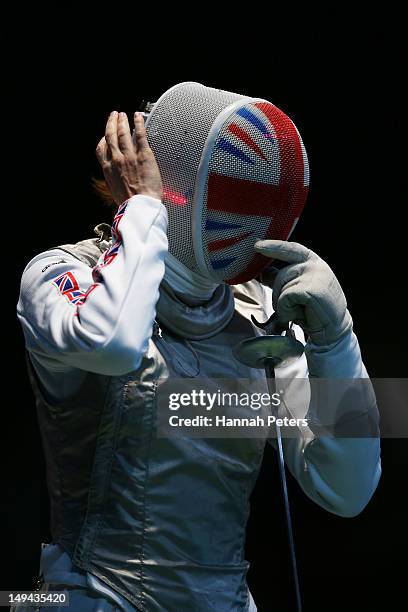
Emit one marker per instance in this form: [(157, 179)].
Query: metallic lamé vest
[(161, 521)]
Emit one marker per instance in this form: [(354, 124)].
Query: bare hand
[(128, 165)]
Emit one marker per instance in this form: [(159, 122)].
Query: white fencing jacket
[(77, 319)]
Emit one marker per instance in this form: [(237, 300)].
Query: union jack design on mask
[(257, 187)]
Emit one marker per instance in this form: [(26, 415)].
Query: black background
[(340, 82)]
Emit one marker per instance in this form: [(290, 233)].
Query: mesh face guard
[(234, 170)]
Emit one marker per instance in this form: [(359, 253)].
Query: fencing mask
[(234, 170)]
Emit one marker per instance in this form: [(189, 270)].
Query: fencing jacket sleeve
[(339, 473), (97, 319)]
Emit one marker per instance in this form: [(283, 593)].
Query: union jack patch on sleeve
[(67, 286)]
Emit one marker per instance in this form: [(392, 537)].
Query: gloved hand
[(307, 292)]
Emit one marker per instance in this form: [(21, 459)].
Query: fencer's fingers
[(288, 309), (140, 136), (111, 133), (268, 276), (291, 252), (284, 280), (101, 151), (124, 137)]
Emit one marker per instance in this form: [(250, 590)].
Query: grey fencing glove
[(307, 292)]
